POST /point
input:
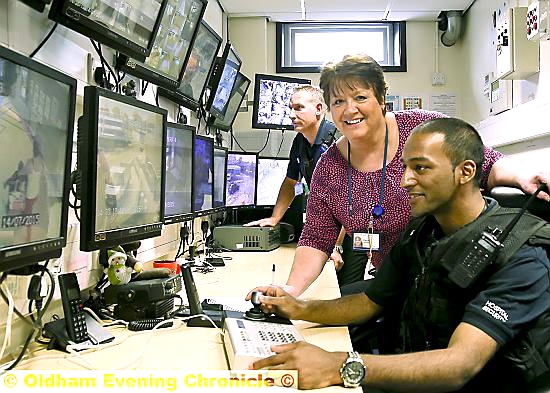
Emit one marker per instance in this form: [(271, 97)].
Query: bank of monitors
[(222, 80), (240, 189), (121, 159), (237, 94), (179, 172), (199, 66), (203, 175), (220, 164), (271, 99), (171, 47), (271, 173), (128, 26), (37, 106)]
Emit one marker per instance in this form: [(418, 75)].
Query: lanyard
[(377, 210)]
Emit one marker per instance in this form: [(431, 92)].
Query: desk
[(189, 348)]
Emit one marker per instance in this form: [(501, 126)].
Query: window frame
[(284, 28)]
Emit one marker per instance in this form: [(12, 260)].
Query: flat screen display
[(172, 45), (195, 75), (271, 101), (128, 26), (179, 171), (241, 179), (271, 173), (37, 107), (236, 98), (222, 81), (220, 161), (203, 174)]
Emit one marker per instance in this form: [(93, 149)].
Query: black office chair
[(514, 197)]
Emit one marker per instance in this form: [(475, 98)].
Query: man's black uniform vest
[(435, 304)]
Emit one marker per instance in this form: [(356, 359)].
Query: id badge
[(364, 241)]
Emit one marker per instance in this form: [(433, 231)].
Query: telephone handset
[(78, 327)]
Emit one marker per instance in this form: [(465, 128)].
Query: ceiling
[(347, 10)]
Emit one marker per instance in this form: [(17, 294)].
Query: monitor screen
[(121, 161), (240, 189), (179, 170), (198, 68), (222, 80), (203, 173), (172, 45), (37, 107), (271, 101), (271, 173), (128, 26), (220, 161), (237, 95)]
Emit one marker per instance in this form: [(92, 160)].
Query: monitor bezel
[(179, 217), (142, 71), (87, 157), (224, 127), (242, 153), (21, 255), (257, 79), (220, 148), (216, 76), (178, 97), (205, 212), (61, 10), (257, 177)]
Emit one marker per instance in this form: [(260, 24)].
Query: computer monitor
[(179, 172), (172, 45), (198, 69), (271, 173), (37, 107), (203, 175), (222, 80), (236, 98), (38, 5), (240, 189), (271, 101), (121, 163), (129, 27), (220, 163)]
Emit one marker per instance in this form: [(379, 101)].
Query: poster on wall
[(445, 103), (393, 102), (413, 102)]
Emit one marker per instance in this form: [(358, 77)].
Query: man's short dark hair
[(462, 141)]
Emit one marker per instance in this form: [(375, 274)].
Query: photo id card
[(364, 241)]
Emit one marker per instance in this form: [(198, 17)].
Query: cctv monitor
[(220, 163), (222, 80), (38, 5), (121, 165), (37, 107), (271, 101), (128, 26), (271, 173), (179, 170), (240, 189), (203, 174), (236, 98), (198, 69), (172, 45)]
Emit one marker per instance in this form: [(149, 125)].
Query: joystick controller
[(255, 313)]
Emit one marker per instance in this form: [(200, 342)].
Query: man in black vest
[(461, 328)]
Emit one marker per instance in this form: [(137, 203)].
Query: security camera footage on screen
[(179, 157), (129, 166), (271, 173), (203, 167), (227, 80), (34, 111), (274, 99), (220, 157), (241, 179)]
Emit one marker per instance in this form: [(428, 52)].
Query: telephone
[(77, 327)]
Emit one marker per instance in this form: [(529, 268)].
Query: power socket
[(438, 78)]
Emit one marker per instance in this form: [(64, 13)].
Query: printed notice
[(444, 103)]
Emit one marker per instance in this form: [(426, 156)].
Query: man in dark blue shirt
[(314, 135)]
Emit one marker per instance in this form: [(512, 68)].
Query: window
[(304, 46)]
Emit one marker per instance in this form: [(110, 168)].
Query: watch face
[(354, 372)]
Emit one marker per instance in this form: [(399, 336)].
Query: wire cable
[(237, 142), (266, 140), (44, 40)]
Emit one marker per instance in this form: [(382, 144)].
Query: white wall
[(21, 29)]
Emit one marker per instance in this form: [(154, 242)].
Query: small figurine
[(117, 272)]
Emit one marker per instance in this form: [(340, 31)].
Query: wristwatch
[(339, 249), (353, 370)]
